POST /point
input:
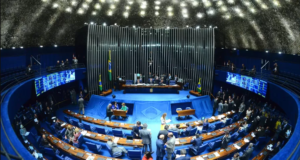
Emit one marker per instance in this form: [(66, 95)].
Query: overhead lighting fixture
[(156, 13), (94, 13), (21, 47), (187, 26), (267, 51), (97, 6), (13, 47), (69, 9), (157, 2), (133, 26), (104, 24), (55, 45), (80, 11), (41, 46), (126, 14), (199, 15), (234, 48), (197, 27), (168, 27), (109, 13), (91, 23), (143, 13), (279, 52), (55, 5)]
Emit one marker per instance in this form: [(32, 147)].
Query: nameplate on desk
[(90, 119), (182, 140), (100, 158), (225, 130), (211, 156), (228, 149), (129, 141), (54, 141), (213, 134), (80, 116), (239, 144), (221, 150), (93, 135), (191, 123), (116, 124), (66, 147), (102, 121), (79, 154)]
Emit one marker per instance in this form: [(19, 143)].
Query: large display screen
[(45, 83), (252, 84)]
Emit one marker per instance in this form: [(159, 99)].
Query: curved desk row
[(99, 121), (76, 152), (210, 135), (104, 138), (263, 154), (222, 153)]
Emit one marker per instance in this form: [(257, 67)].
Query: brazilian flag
[(199, 86), (109, 65), (100, 83)]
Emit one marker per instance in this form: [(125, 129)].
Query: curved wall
[(16, 97)]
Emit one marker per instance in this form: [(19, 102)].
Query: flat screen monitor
[(47, 82), (252, 84)]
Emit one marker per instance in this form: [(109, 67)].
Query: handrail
[(264, 65)]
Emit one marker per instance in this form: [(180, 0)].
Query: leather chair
[(214, 145), (75, 123), (135, 154), (80, 125), (101, 130), (67, 119), (193, 131), (86, 127), (118, 133), (218, 125), (93, 147)]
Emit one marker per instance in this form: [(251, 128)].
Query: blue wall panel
[(12, 62)]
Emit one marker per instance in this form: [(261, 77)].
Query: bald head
[(162, 137), (170, 134)]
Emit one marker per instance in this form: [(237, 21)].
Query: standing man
[(220, 107), (164, 132), (160, 152), (170, 145), (225, 140), (247, 153), (109, 111), (215, 106), (146, 137), (81, 105), (136, 130), (225, 107)]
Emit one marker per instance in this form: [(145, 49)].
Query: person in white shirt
[(163, 119), (248, 112)]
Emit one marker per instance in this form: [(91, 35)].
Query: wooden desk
[(151, 88), (99, 121), (119, 113), (186, 112), (121, 83), (263, 154), (105, 93), (26, 145), (224, 152), (72, 150), (195, 93), (200, 122), (210, 135), (103, 137)]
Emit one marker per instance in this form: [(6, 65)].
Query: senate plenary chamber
[(150, 79)]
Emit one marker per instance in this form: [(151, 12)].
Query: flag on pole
[(199, 86), (109, 65), (100, 83)]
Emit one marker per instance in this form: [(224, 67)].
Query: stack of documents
[(246, 140), (199, 158), (116, 139), (252, 134), (216, 154), (168, 121), (213, 118), (90, 158), (83, 132), (236, 146)]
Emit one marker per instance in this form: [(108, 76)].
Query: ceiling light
[(21, 47), (133, 26), (13, 47), (210, 12), (112, 6), (168, 27), (156, 13), (104, 24), (55, 5), (127, 7), (89, 1), (182, 4), (41, 46), (279, 52), (109, 13), (267, 51), (130, 2), (97, 6), (157, 2), (94, 13), (170, 14), (156, 7), (102, 1), (230, 1), (69, 9), (126, 14), (92, 23), (187, 26), (199, 15), (74, 3), (142, 13), (195, 3), (197, 27), (85, 5), (80, 11), (55, 45), (169, 9)]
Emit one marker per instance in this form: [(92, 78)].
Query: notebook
[(80, 154), (66, 147)]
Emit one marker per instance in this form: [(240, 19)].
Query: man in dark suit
[(45, 143), (225, 107), (247, 153), (136, 130), (284, 128), (57, 64), (225, 140), (150, 75), (117, 83), (196, 143), (67, 62), (175, 78), (145, 134), (254, 123), (160, 151), (164, 132), (215, 106), (262, 121), (276, 69), (260, 132), (182, 155), (151, 81), (205, 125), (57, 126), (188, 129), (243, 69), (275, 149), (161, 82)]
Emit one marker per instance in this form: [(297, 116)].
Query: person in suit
[(277, 132), (67, 62), (220, 107), (164, 132), (150, 75), (236, 156), (262, 121), (284, 127), (225, 140), (275, 149), (196, 143), (57, 64), (182, 155), (75, 60), (29, 70), (69, 133), (260, 132), (205, 125), (37, 124), (81, 105), (109, 111), (45, 143), (275, 69), (225, 107), (160, 152), (76, 135), (215, 106), (114, 147), (169, 77), (243, 69), (136, 130), (146, 137), (161, 82), (170, 145), (242, 108), (247, 153), (232, 68), (188, 129), (115, 106), (138, 81), (176, 129), (57, 126), (254, 123), (151, 81), (23, 132), (253, 71), (175, 78)]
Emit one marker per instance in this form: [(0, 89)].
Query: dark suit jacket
[(135, 130), (183, 158), (57, 126), (45, 143), (188, 129), (176, 79), (261, 133), (165, 133), (205, 126), (247, 154), (225, 141), (196, 143), (160, 151), (262, 121)]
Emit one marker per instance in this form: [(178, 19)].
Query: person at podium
[(138, 81)]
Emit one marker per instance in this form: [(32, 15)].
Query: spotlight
[(187, 26), (55, 45), (104, 24), (115, 24), (188, 96), (267, 51), (113, 96), (13, 47), (197, 27), (92, 23), (168, 27), (21, 47), (41, 46), (279, 52), (133, 26)]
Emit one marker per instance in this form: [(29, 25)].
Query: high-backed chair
[(193, 131), (135, 154), (186, 85), (202, 148), (172, 82), (218, 125), (214, 145), (93, 147), (80, 125), (86, 126), (234, 136), (80, 141), (234, 118), (67, 119), (174, 133), (179, 109), (118, 133), (228, 122), (128, 82), (71, 121), (75, 123), (101, 130), (93, 129)]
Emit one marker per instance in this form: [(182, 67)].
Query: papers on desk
[(220, 116), (84, 133), (177, 141), (237, 147), (228, 112), (26, 141), (200, 128), (168, 121), (246, 140), (137, 140), (213, 118), (116, 139), (196, 123), (63, 124), (27, 133), (90, 158), (233, 111), (199, 158), (216, 154), (252, 134), (122, 124)]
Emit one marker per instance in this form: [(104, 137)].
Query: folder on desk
[(131, 126), (79, 154), (90, 119), (102, 121), (80, 116), (100, 159), (129, 141), (182, 140), (228, 149), (213, 134), (211, 156), (116, 124), (93, 135), (66, 147), (54, 141)]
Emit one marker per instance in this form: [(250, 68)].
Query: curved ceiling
[(272, 25)]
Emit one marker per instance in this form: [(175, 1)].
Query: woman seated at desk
[(124, 108)]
